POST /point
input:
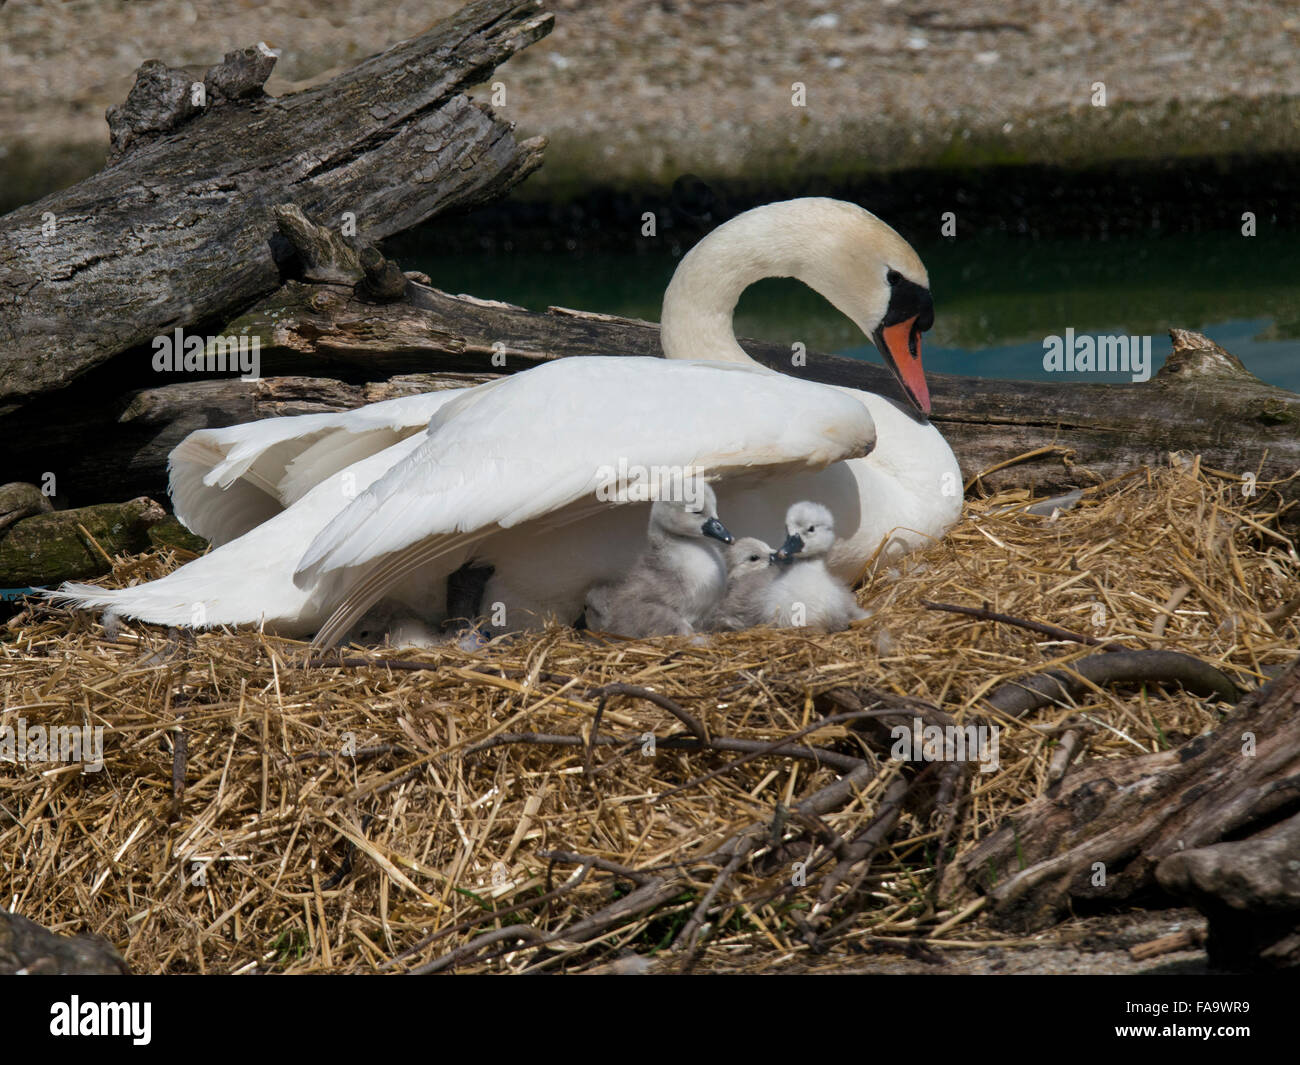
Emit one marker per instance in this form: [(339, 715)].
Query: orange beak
[(900, 344)]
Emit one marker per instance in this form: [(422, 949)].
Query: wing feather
[(525, 447), (224, 482)]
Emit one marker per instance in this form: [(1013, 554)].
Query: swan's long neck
[(701, 298)]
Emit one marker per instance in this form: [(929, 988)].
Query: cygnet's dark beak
[(792, 546), (717, 531)]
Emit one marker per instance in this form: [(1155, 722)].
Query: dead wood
[(176, 231), (27, 948), (1100, 835), (1019, 697), (1250, 891)]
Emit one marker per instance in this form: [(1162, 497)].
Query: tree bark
[(28, 948), (73, 545), (175, 231), (1250, 891), (1101, 833)]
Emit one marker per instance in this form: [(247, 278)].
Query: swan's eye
[(812, 528), (893, 277)]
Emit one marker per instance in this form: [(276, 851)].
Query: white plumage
[(319, 517), (750, 572), (804, 593), (677, 581)]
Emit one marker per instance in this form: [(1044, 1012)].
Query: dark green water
[(996, 296)]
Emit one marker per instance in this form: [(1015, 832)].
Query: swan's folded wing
[(250, 579), (525, 447), (226, 481)]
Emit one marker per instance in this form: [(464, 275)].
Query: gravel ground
[(635, 91)]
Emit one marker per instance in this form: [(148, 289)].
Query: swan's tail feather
[(78, 595), (119, 603), (194, 600)]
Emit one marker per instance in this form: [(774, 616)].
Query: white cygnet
[(750, 573), (396, 626), (804, 593), (679, 578)]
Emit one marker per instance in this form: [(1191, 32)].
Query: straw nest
[(256, 813)]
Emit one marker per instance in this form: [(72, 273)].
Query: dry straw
[(256, 814)]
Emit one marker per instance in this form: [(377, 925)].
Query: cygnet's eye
[(754, 558), (812, 528), (893, 277)]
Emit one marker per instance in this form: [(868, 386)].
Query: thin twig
[(493, 915), (775, 747), (595, 732), (687, 938), (527, 932), (1167, 611), (831, 759), (662, 701), (180, 758), (1054, 631)]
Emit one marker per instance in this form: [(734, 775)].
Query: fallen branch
[(389, 143), (1187, 939), (1103, 831), (1019, 697), (688, 719), (755, 748)]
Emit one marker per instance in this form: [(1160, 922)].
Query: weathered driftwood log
[(72, 545), (1099, 836), (18, 501), (118, 449), (26, 947), (177, 231), (1250, 891), (1082, 434)]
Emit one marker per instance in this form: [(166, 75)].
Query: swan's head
[(864, 268), (694, 515), (810, 532), (872, 275), (748, 555)]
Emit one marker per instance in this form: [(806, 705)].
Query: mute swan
[(750, 572), (320, 516), (804, 594), (678, 579)]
